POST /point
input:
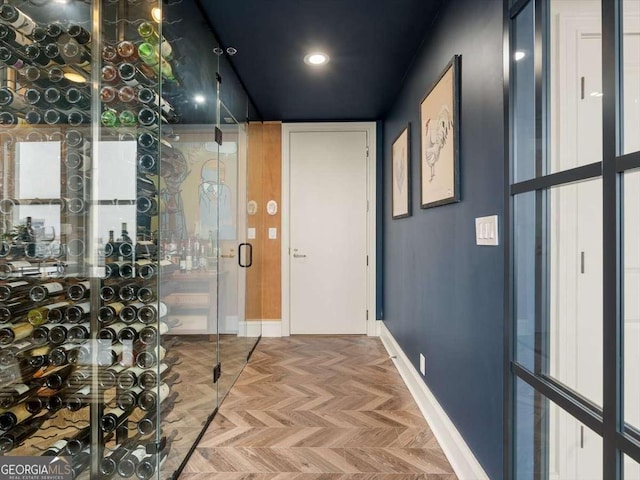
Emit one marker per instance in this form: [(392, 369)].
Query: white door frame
[(370, 129)]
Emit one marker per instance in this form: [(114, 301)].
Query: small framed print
[(439, 139), (401, 176)]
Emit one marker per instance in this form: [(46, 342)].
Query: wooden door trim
[(370, 129)]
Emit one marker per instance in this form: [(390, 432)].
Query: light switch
[(273, 233), (487, 231)]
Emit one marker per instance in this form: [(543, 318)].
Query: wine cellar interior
[(123, 259)]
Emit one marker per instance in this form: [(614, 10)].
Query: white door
[(328, 232)]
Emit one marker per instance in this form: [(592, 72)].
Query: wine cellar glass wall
[(90, 370)]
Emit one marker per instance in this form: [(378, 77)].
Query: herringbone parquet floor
[(319, 408)]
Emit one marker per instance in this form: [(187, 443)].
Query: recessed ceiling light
[(199, 99), (519, 55), (316, 58)]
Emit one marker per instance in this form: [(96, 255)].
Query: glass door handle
[(249, 247)]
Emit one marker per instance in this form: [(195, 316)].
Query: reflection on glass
[(524, 242), (631, 75), (575, 84), (575, 287), (524, 134), (550, 443), (631, 307)]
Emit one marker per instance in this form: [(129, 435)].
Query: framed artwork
[(401, 176), (439, 139)]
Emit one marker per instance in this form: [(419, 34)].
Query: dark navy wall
[(443, 295)]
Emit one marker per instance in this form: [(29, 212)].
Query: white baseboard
[(264, 327), (271, 328), (458, 453)]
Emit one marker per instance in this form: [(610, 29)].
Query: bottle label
[(85, 307), (56, 305), (20, 264), (17, 284), (22, 330), (59, 445), (164, 392), (21, 345), (53, 287), (20, 388), (84, 391), (139, 453)]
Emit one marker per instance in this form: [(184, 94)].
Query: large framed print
[(439, 139), (401, 176)]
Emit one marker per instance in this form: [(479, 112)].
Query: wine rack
[(85, 371)]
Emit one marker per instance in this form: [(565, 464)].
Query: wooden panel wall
[(264, 279)]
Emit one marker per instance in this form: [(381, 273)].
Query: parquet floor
[(319, 408)]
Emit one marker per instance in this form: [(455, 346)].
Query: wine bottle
[(113, 418), (78, 291), (15, 415), (146, 206), (149, 97), (78, 333), (54, 96), (128, 292), (12, 59), (127, 118), (56, 76), (79, 312), (17, 331), (9, 355), (54, 117), (13, 290), (149, 334), (76, 98), (55, 449), (12, 395), (13, 438), (127, 466), (54, 30), (79, 378), (147, 141), (149, 399), (150, 35), (151, 357), (127, 51), (11, 38), (147, 117), (33, 117), (52, 52), (108, 356), (75, 183), (79, 400), (127, 95), (111, 331), (75, 54), (35, 98), (130, 333), (129, 314), (109, 376), (9, 120), (147, 424), (53, 313), (147, 164), (109, 292), (110, 118), (81, 440), (109, 74), (108, 313), (148, 379), (17, 268), (55, 377), (146, 468), (75, 139), (36, 55), (17, 19), (145, 294), (132, 76), (74, 206), (10, 100), (79, 34), (60, 355), (40, 335), (80, 462), (129, 378), (110, 54), (149, 314), (76, 118), (109, 464), (14, 312), (38, 293), (128, 399)]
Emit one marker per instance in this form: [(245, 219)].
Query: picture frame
[(440, 139), (401, 175)]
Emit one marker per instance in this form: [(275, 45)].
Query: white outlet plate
[(251, 233), (273, 233), (487, 231), (423, 365)]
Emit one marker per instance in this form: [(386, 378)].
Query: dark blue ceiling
[(371, 44)]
